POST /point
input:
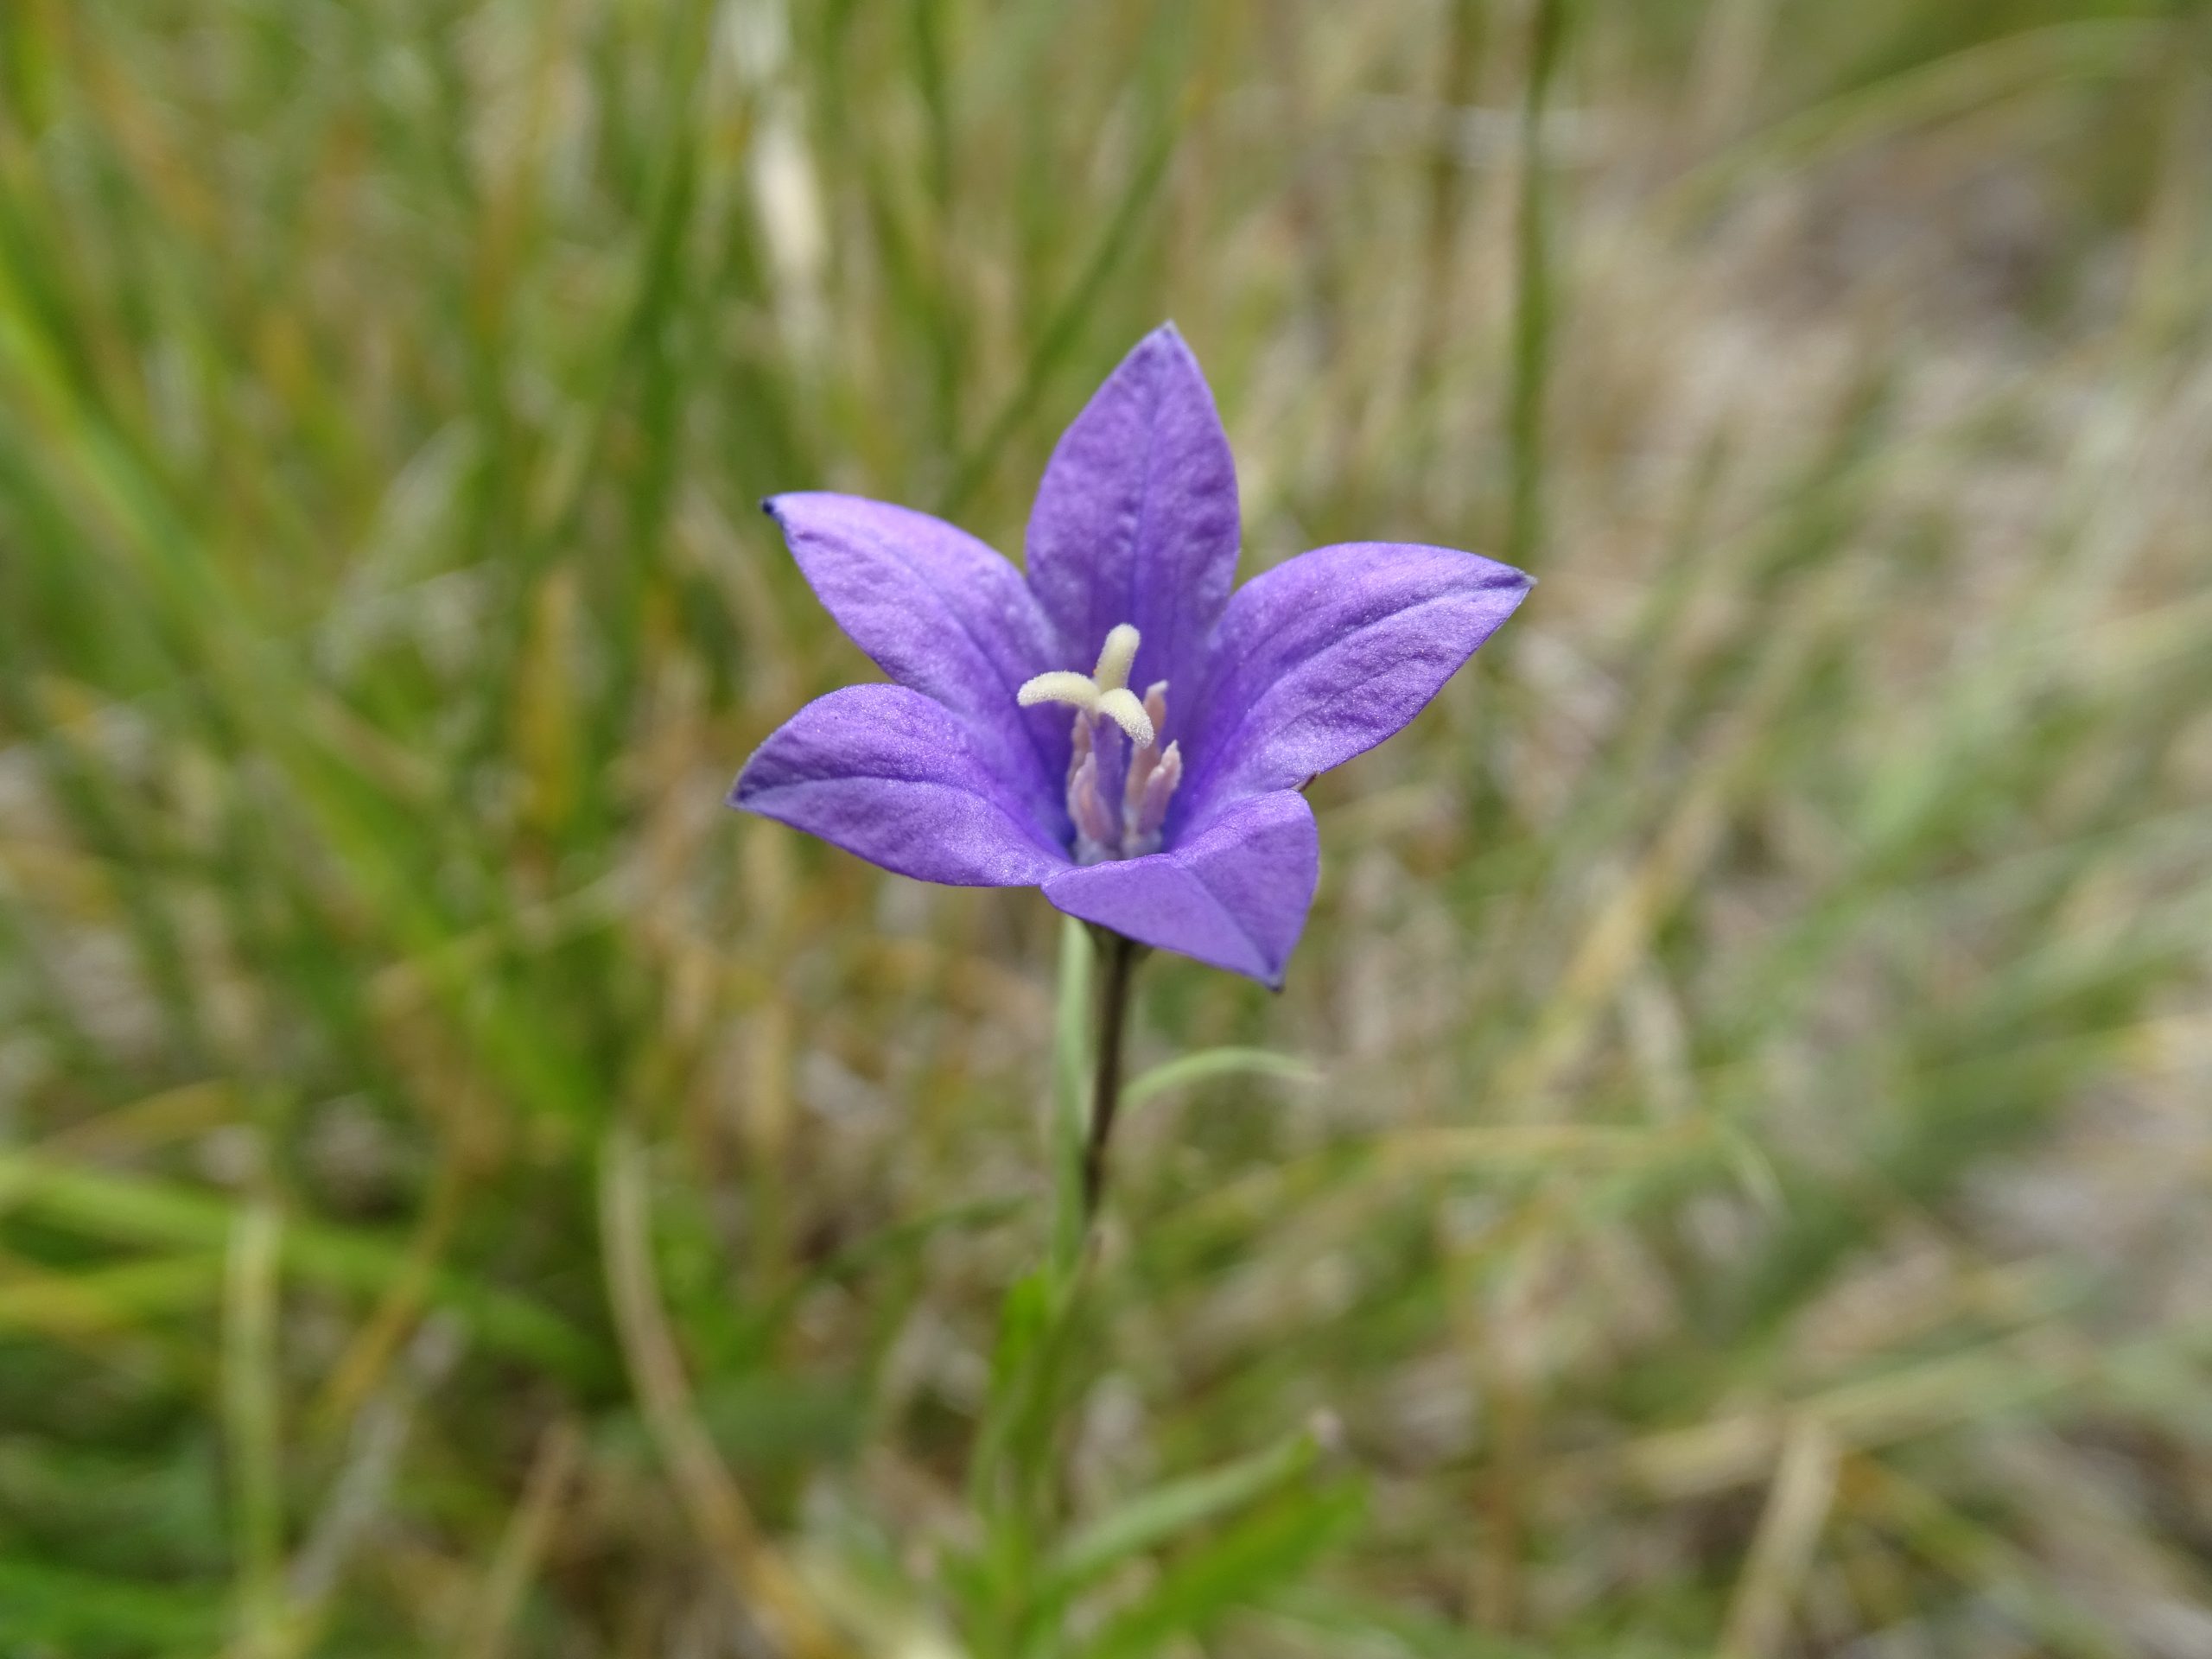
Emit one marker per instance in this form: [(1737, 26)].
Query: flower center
[(1149, 773), (1104, 690)]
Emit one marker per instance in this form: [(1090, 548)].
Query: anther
[(1144, 813), (1098, 836), (1079, 749), (1147, 756)]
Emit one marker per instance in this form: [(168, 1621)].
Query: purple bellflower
[(1171, 816)]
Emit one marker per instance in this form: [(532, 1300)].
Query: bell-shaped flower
[(997, 758)]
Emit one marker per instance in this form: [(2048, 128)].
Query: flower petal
[(940, 612), (1136, 518), (1233, 895), (889, 774), (1326, 654)]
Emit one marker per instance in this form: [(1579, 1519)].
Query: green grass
[(1724, 1175)]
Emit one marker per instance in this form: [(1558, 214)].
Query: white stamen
[(1098, 836), (1159, 790), (1085, 737), (1140, 765)]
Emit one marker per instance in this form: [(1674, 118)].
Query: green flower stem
[(1070, 1078), (1121, 956)]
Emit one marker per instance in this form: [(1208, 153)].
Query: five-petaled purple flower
[(1173, 817)]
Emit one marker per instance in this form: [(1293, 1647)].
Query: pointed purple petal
[(1136, 518), (895, 777), (1324, 656), (1235, 895), (940, 612)]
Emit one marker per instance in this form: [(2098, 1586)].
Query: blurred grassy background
[(462, 1191)]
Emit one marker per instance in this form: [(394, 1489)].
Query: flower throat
[(1103, 702)]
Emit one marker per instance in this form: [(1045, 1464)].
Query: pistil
[(1149, 781), (1104, 690)]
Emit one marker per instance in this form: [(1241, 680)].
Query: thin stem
[(1106, 1088)]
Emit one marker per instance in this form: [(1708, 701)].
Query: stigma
[(1106, 829), (1104, 690)]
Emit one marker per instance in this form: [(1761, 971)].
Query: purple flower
[(1172, 816)]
